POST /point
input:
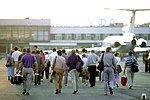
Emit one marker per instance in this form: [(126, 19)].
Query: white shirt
[(85, 62), (15, 55), (117, 60), (52, 57), (92, 59), (46, 57)]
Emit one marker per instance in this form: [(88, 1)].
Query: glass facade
[(28, 33), (22, 35), (74, 36)]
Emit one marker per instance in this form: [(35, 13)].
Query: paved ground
[(46, 90)]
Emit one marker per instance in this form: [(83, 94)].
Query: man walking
[(92, 61), (27, 62), (110, 65), (72, 61)]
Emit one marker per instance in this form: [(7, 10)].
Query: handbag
[(123, 80), (17, 79), (134, 67), (100, 66), (119, 69), (79, 66), (8, 63), (53, 73)]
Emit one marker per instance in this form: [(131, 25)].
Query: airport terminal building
[(30, 32)]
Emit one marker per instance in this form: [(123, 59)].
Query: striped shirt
[(129, 61)]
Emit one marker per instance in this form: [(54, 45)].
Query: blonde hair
[(73, 51)]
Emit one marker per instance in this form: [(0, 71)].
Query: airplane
[(127, 41)]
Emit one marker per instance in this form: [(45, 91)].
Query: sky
[(75, 12)]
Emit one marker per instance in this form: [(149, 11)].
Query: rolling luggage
[(17, 79), (124, 80)]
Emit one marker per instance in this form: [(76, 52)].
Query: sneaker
[(56, 92), (86, 84), (9, 78), (105, 93), (24, 91), (74, 92), (27, 93), (110, 90), (117, 85), (59, 91), (130, 87), (51, 81)]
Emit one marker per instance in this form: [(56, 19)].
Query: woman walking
[(10, 69), (72, 61), (118, 68)]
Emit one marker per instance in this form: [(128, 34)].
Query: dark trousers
[(47, 72), (37, 78), (92, 71), (146, 66), (42, 74)]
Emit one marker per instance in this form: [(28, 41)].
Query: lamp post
[(11, 45)]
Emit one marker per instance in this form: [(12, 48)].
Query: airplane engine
[(133, 42), (141, 42), (117, 44)]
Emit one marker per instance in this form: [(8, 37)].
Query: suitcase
[(124, 80), (17, 79)]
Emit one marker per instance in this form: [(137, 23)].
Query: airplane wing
[(133, 9), (141, 49), (128, 9)]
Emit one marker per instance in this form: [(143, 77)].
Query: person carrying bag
[(100, 66), (134, 67), (58, 68), (128, 66)]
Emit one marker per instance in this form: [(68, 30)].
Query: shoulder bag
[(8, 63), (101, 64), (134, 67), (79, 65)]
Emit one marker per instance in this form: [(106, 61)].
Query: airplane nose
[(133, 42)]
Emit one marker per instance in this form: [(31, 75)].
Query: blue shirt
[(129, 61), (28, 60)]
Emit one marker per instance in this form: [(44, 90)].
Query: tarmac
[(46, 91)]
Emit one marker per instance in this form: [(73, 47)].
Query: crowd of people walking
[(33, 64)]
